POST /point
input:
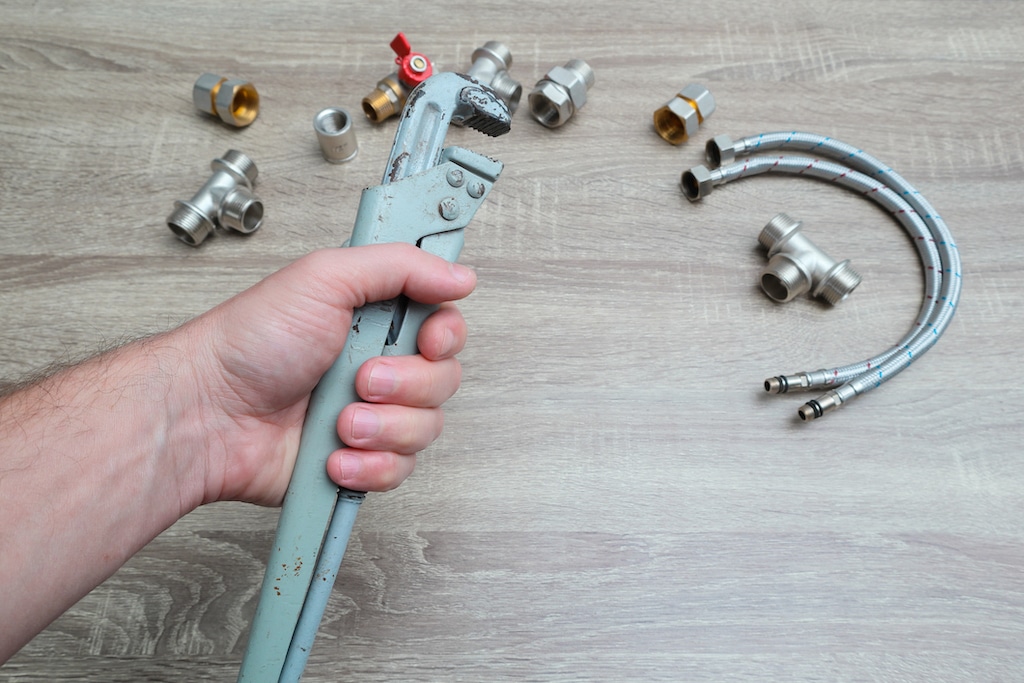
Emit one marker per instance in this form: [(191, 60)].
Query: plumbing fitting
[(796, 265), (491, 63), (388, 98), (333, 128), (561, 93), (225, 200), (839, 164), (234, 101), (679, 119)]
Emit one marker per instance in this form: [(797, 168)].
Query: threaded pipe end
[(509, 90), (782, 280), (379, 105), (241, 211), (777, 229), (239, 164), (583, 69), (839, 283), (188, 224)]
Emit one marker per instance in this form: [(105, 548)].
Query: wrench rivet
[(449, 208), (455, 177), (475, 189)]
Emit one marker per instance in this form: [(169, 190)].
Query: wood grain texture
[(614, 498)]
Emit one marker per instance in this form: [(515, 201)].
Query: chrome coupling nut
[(698, 182), (561, 93), (681, 116), (721, 150), (491, 63), (388, 98), (796, 265), (226, 200), (334, 131), (234, 101)]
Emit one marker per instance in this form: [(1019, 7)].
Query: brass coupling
[(491, 63), (679, 119), (233, 101), (225, 200), (388, 98), (561, 93)]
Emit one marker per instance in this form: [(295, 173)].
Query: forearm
[(95, 461)]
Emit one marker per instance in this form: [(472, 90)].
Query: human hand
[(259, 355)]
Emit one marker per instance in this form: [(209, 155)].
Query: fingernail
[(365, 423), (461, 272), (351, 466), (382, 381)]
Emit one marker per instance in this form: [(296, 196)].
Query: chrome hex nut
[(696, 183), (550, 104)]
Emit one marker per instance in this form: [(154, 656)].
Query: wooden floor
[(614, 498)]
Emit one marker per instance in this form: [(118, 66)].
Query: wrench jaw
[(437, 102), (481, 109)]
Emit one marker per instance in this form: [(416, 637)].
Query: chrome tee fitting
[(226, 200), (491, 63), (388, 98), (796, 265), (679, 119), (234, 101), (561, 93)]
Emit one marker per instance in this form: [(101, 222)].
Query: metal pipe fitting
[(796, 265), (234, 101), (225, 200), (721, 150), (679, 119), (334, 131), (388, 98), (491, 63), (698, 182), (561, 93)]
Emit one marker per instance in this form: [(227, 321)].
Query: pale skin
[(98, 459)]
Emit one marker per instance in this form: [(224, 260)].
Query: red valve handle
[(413, 67)]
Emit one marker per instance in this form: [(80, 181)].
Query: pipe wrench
[(428, 196)]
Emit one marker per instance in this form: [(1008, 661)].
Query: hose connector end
[(697, 183), (783, 384), (818, 407), (721, 150)]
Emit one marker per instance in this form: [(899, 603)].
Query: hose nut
[(334, 131), (681, 116), (491, 63), (225, 200), (796, 265), (697, 183), (721, 150), (561, 93), (234, 101)]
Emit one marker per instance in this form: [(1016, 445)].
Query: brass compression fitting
[(234, 101), (388, 98), (225, 200)]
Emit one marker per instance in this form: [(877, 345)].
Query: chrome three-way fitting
[(234, 101), (561, 93), (491, 63), (679, 119), (226, 200), (796, 265)]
